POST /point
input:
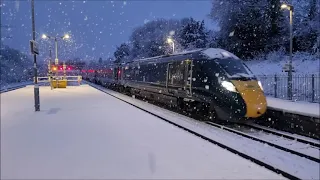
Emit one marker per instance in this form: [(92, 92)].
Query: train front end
[(239, 94)]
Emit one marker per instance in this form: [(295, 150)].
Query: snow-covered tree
[(151, 38), (276, 26), (306, 24), (193, 35), (212, 39), (15, 66), (122, 52), (156, 48), (247, 26), (100, 60)]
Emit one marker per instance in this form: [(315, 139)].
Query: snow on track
[(281, 141), (82, 133), (293, 164), (297, 136)]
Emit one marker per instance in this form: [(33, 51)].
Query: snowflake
[(231, 34), (145, 21)]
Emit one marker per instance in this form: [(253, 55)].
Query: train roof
[(208, 53)]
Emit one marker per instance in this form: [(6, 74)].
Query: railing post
[(275, 85), (312, 86)]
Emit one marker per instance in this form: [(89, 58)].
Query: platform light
[(44, 36), (291, 9), (171, 41), (284, 6), (66, 36)]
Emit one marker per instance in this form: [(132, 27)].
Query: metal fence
[(304, 87)]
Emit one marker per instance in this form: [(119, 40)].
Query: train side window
[(115, 73), (136, 74), (176, 74), (206, 73), (199, 73), (127, 73)]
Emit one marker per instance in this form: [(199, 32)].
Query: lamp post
[(170, 41), (290, 8), (36, 86), (66, 36)]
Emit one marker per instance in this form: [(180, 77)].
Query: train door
[(117, 73), (175, 76), (169, 80), (121, 73), (188, 77)]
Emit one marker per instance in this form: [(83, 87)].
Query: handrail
[(47, 79)]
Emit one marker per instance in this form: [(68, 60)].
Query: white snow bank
[(305, 64), (272, 63), (82, 133), (302, 108)]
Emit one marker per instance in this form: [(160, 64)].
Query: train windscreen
[(234, 67)]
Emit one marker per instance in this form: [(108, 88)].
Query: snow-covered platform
[(82, 133), (301, 108)]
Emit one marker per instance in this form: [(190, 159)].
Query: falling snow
[(97, 28)]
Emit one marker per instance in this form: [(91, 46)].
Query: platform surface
[(82, 133)]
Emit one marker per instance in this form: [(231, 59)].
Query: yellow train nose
[(256, 103), (253, 96)]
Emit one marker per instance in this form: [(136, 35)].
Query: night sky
[(96, 27)]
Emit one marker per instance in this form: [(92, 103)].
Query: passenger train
[(212, 80)]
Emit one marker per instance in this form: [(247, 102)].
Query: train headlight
[(229, 86), (259, 82)]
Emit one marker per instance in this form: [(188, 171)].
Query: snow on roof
[(187, 52), (148, 58), (218, 53), (210, 52)]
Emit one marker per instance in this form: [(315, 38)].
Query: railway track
[(290, 152), (299, 138), (286, 145)]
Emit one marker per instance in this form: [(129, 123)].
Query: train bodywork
[(213, 80)]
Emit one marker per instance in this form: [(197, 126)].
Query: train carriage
[(211, 79)]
